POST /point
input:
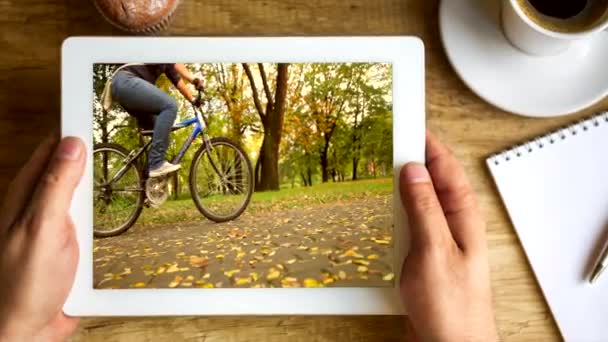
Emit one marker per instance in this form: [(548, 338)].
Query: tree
[(267, 166), (329, 87)]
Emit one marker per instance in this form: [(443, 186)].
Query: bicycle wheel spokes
[(222, 181), (114, 204)]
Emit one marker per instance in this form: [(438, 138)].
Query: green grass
[(184, 210)]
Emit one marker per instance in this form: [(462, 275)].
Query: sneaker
[(164, 169)]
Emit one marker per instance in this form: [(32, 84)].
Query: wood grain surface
[(31, 32)]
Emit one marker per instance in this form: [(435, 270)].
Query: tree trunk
[(355, 164), (324, 159), (176, 186), (267, 178), (309, 174)]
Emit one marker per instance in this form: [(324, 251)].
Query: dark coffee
[(559, 9), (566, 16)]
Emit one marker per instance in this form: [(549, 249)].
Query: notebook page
[(557, 198)]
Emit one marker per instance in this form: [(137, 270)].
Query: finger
[(455, 195), (426, 220), (53, 196), (20, 189)]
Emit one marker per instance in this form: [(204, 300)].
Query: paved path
[(336, 244)]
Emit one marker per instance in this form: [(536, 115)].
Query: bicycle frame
[(199, 122)]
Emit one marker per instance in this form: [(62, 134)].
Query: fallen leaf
[(220, 256), (273, 274), (173, 268), (199, 261), (342, 275), (231, 272), (140, 284), (186, 284), (361, 262), (175, 281), (242, 281), (388, 277), (361, 269), (160, 270), (207, 275), (373, 256), (291, 261), (184, 268), (254, 276), (311, 282), (190, 278)]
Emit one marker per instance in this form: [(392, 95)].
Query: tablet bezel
[(406, 54)]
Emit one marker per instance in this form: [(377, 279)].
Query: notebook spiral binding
[(549, 139)]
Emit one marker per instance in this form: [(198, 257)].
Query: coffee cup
[(549, 27)]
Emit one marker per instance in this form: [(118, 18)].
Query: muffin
[(138, 16)]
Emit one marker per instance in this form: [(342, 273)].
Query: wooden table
[(31, 33)]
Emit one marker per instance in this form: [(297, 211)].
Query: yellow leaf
[(160, 270), (291, 261), (328, 281), (342, 275), (173, 268), (231, 272), (242, 281), (382, 242), (190, 278), (240, 255), (372, 256), (388, 277), (361, 262), (273, 274), (254, 276), (253, 251), (220, 256), (181, 254), (186, 284), (361, 269), (207, 275), (311, 282), (290, 282), (148, 273), (280, 266), (175, 281), (351, 253), (184, 268), (140, 284)]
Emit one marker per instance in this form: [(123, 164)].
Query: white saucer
[(511, 80)]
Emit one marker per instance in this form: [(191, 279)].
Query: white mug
[(533, 39)]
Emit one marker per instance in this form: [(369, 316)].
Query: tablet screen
[(242, 175)]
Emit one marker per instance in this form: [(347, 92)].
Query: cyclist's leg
[(137, 95)]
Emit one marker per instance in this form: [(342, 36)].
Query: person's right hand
[(197, 83), (445, 283)]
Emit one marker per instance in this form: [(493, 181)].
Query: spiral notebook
[(555, 189)]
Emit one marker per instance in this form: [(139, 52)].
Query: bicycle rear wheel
[(221, 183), (116, 204)]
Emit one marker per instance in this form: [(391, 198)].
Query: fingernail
[(415, 173), (69, 149)]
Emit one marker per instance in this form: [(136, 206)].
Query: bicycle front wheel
[(117, 199), (221, 180)]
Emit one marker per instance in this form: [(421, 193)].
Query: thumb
[(53, 196), (427, 222)]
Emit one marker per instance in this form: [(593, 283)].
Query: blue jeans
[(145, 101)]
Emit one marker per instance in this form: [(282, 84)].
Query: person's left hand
[(38, 247)]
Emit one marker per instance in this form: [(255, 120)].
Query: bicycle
[(220, 175)]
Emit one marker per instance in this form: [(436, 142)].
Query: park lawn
[(184, 210)]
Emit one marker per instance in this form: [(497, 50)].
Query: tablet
[(233, 176)]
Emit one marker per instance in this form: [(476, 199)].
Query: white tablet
[(241, 175)]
